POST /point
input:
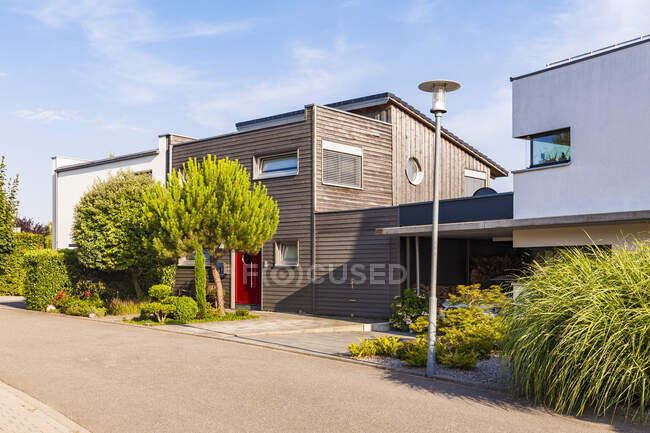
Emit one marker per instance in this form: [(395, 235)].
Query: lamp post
[(439, 88)]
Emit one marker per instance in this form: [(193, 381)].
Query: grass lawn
[(215, 318)]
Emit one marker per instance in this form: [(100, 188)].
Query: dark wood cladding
[(292, 193), (348, 238), (184, 285), (375, 140)]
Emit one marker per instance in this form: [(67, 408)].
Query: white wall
[(69, 186), (605, 101)]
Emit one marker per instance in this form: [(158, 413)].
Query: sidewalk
[(20, 413)]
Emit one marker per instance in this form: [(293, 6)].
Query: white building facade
[(72, 178), (586, 124)]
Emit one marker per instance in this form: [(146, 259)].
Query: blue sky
[(91, 78)]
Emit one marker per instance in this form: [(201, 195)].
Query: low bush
[(578, 334), (160, 292), (414, 352), (160, 274), (185, 308), (382, 346), (407, 308), (241, 312), (45, 278), (121, 307), (156, 310)]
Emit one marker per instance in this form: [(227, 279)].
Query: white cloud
[(117, 33), (315, 73), (418, 11), (3, 74), (585, 25), (45, 115)]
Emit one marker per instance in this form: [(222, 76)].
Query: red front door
[(247, 279)]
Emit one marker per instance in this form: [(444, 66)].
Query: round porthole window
[(246, 259), (414, 171)]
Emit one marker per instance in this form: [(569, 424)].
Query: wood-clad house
[(338, 172)]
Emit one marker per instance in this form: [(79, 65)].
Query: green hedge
[(12, 273), (45, 277)]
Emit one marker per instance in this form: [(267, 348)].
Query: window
[(342, 165), (414, 171), (286, 253), (276, 166), (473, 180), (550, 148)]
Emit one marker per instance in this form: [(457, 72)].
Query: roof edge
[(107, 160)]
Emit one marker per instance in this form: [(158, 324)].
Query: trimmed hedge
[(185, 308), (45, 278), (12, 274)]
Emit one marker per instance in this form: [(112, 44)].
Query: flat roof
[(588, 56), (107, 160)]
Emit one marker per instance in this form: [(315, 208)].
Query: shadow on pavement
[(499, 399), (13, 302)]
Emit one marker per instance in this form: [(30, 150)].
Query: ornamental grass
[(578, 334)]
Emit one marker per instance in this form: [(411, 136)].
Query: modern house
[(585, 123), (72, 178), (338, 173)]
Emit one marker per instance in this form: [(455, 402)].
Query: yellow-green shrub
[(13, 273), (382, 346), (45, 278)]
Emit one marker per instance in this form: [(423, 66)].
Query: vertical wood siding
[(375, 140), (414, 138), (348, 238), (292, 193)]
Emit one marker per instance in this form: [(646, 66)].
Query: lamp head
[(439, 88)]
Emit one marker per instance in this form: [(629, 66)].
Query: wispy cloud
[(580, 26), (316, 71), (46, 115), (117, 34), (418, 11), (585, 25)]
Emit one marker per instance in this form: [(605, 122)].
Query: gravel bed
[(490, 373)]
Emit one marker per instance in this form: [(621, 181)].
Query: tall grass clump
[(578, 334)]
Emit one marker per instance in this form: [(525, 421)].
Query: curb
[(248, 340), (45, 409)]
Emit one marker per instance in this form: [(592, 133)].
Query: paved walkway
[(116, 378), (20, 413)]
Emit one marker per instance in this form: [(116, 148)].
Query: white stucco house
[(72, 177), (586, 124)]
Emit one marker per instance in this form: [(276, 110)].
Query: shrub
[(200, 280), (408, 308), (382, 346), (121, 307), (160, 292), (185, 308), (414, 352), (241, 312), (577, 334), (8, 208), (157, 310), (45, 278), (89, 290), (80, 307), (11, 280), (158, 274)]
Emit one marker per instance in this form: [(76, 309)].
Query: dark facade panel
[(489, 207), (292, 193), (348, 238)]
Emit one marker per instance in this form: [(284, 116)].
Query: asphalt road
[(116, 378)]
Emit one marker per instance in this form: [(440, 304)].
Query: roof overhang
[(504, 227)]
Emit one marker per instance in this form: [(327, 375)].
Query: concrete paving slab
[(20, 413)]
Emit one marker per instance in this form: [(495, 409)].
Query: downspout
[(313, 209)]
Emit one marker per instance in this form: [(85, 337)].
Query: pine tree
[(211, 204)]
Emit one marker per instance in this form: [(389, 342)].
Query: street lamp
[(439, 88)]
